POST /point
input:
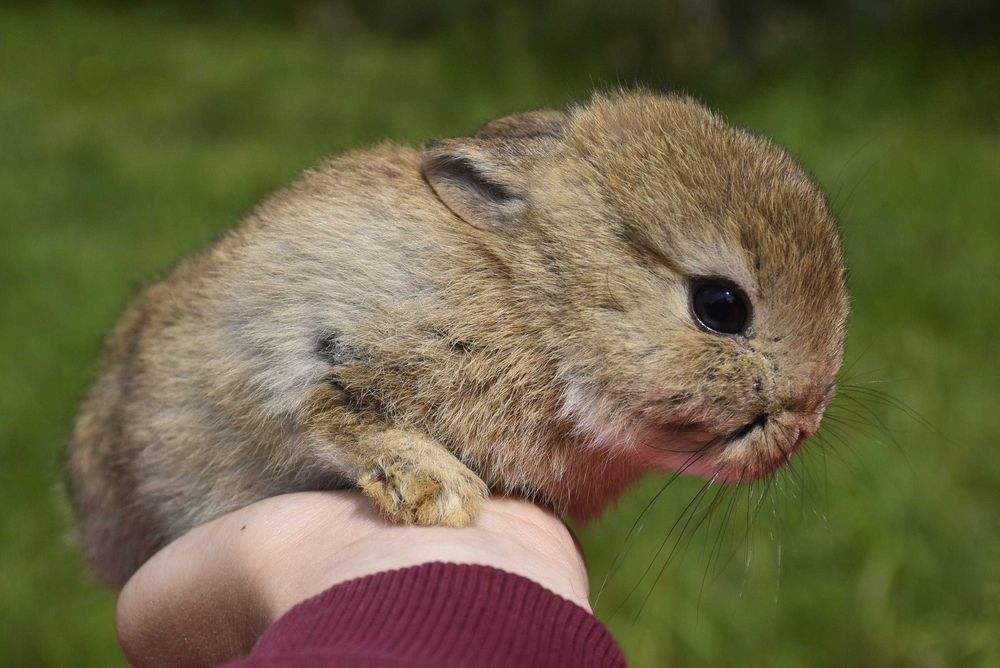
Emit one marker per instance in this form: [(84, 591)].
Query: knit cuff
[(436, 614)]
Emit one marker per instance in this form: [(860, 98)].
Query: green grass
[(129, 139)]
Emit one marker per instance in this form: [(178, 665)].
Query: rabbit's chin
[(730, 458)]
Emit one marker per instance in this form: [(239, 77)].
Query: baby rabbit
[(548, 308)]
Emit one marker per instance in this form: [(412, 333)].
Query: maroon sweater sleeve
[(436, 615)]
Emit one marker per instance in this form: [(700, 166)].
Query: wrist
[(305, 543)]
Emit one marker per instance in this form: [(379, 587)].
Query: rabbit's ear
[(533, 124), (484, 179)]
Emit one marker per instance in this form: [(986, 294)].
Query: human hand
[(208, 596)]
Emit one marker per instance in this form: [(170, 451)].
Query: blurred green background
[(132, 134)]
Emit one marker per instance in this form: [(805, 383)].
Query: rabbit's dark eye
[(720, 306)]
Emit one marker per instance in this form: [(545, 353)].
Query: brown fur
[(505, 311)]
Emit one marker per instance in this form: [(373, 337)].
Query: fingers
[(190, 604)]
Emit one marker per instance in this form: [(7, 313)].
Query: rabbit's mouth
[(739, 462)]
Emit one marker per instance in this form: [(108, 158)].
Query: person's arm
[(211, 594)]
